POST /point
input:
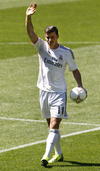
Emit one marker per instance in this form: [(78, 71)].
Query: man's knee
[(54, 123)]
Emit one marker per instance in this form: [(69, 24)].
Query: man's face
[(52, 39)]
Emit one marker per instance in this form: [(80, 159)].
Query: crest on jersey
[(60, 57)]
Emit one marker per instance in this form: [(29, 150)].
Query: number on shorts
[(61, 110)]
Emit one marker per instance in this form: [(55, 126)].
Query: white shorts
[(53, 104)]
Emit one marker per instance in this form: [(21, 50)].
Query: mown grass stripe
[(43, 141), (43, 121), (17, 3)]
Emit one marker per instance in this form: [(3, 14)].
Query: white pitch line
[(83, 124), (84, 42), (15, 43), (23, 120), (43, 121), (43, 141), (80, 132), (23, 146), (27, 43)]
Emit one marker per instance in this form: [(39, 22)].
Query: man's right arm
[(29, 26)]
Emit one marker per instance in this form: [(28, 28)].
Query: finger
[(33, 5)]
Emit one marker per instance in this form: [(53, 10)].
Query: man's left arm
[(77, 76)]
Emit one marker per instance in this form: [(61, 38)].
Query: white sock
[(57, 146), (51, 141)]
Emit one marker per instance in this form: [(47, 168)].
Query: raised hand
[(31, 9)]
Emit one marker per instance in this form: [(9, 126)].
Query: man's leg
[(57, 111), (52, 139), (57, 146), (53, 136), (58, 152)]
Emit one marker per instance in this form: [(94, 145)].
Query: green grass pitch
[(20, 115)]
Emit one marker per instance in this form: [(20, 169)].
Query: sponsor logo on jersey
[(54, 63)]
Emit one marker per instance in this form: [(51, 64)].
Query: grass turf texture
[(18, 3), (77, 21), (76, 156)]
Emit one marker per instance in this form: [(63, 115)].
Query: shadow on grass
[(74, 164)]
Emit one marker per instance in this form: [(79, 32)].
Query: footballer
[(53, 59)]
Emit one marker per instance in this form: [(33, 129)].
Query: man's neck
[(55, 46)]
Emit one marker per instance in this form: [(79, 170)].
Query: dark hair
[(51, 29)]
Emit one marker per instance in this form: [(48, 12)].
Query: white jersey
[(52, 65)]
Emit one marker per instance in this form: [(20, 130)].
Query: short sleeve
[(39, 44), (71, 60)]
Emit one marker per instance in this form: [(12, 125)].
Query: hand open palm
[(31, 9)]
